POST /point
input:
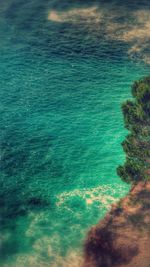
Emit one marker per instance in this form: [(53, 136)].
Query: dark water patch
[(15, 204), (136, 4), (37, 202), (9, 248)]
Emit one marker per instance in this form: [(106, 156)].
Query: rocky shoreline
[(122, 238)]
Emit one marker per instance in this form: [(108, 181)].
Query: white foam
[(100, 195)]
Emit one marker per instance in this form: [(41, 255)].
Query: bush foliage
[(137, 144)]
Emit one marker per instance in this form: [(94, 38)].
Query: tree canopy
[(137, 144)]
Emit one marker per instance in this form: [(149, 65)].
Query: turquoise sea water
[(63, 77)]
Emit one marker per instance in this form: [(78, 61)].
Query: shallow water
[(63, 77)]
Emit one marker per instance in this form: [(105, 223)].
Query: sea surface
[(65, 69)]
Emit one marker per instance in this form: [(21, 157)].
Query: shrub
[(137, 144)]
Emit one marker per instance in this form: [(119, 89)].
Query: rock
[(122, 238)]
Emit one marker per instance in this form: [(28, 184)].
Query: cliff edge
[(122, 238)]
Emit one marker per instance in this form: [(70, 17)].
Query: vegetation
[(137, 143)]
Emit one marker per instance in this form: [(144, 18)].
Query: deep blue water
[(65, 69)]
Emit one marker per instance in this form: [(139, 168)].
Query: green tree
[(137, 144)]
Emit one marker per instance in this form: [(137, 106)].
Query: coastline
[(122, 238)]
